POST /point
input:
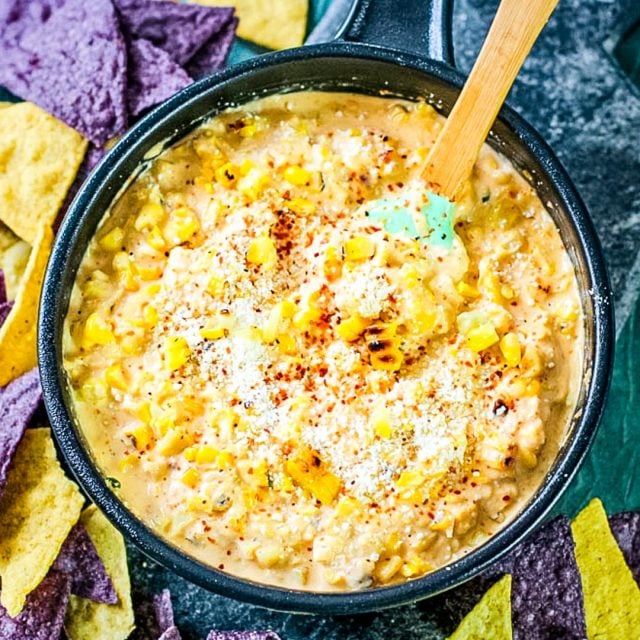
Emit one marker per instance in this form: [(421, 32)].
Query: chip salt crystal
[(39, 507)]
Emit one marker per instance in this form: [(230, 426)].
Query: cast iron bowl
[(372, 55)]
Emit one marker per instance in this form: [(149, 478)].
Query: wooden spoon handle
[(514, 30)]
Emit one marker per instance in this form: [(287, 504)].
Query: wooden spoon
[(513, 32)]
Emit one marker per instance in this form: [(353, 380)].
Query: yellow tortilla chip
[(39, 159), (18, 332), (38, 508), (276, 24), (87, 620), (611, 595), (14, 255), (491, 617)]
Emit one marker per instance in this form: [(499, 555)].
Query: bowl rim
[(560, 473)]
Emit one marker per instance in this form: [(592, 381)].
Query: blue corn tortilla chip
[(181, 30), (69, 57), (163, 610), (171, 633), (18, 402), (153, 76), (243, 635), (154, 618), (5, 310), (79, 559), (546, 596), (3, 288), (43, 613), (626, 530), (213, 56)]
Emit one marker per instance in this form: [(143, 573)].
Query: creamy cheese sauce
[(290, 393)]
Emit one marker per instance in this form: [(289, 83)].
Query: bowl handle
[(417, 26)]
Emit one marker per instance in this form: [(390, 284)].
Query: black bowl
[(338, 66)]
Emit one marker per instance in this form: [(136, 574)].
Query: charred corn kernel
[(206, 454), (482, 337), (226, 175), (467, 290), (191, 478), (347, 506), (287, 344), (510, 347), (297, 176), (215, 286), (155, 239), (173, 442), (213, 332), (97, 285), (248, 131), (182, 226), (308, 472), (301, 206), (414, 566), (386, 569), (359, 248), (176, 352), (352, 328), (381, 420), (332, 267), (262, 251), (142, 437), (411, 478), (151, 215), (269, 555), (112, 241), (253, 184), (114, 377), (390, 360), (531, 363), (97, 331)]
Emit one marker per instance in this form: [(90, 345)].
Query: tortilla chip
[(626, 530), (68, 57), (39, 158), (181, 30), (243, 635), (38, 508), (5, 310), (276, 24), (43, 613), (491, 617), (18, 333), (546, 596), (14, 255), (87, 620), (611, 596), (214, 54), (153, 76), (79, 559), (18, 402)]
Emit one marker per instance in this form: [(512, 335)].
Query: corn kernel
[(282, 310), (253, 184), (142, 437), (190, 454), (151, 215), (262, 251), (411, 479), (446, 524), (309, 473), (246, 166), (297, 176), (191, 478), (332, 267), (390, 360), (225, 459), (287, 344), (215, 286), (177, 352), (155, 239), (182, 226), (114, 377), (510, 347), (531, 363), (94, 391), (565, 311), (248, 131), (482, 337), (226, 175), (467, 290), (97, 285), (347, 506), (269, 555), (173, 442), (150, 316), (359, 248), (351, 328), (415, 566), (97, 331), (381, 421), (213, 332), (128, 461), (533, 388), (507, 292), (301, 206), (206, 454), (112, 241), (386, 569)]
